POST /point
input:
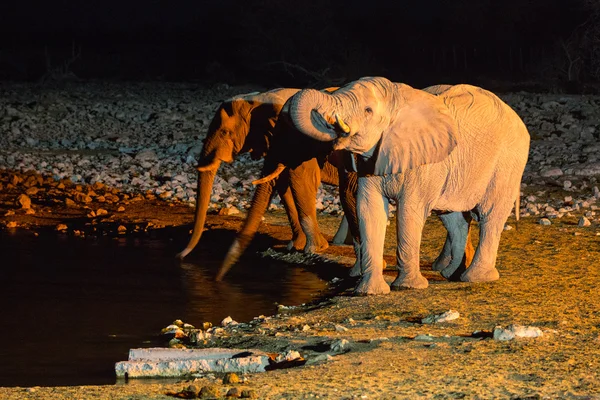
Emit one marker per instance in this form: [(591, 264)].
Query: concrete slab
[(169, 363)]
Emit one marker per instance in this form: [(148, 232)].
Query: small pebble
[(447, 316), (583, 221), (23, 201), (209, 392), (424, 338), (234, 392), (231, 378), (191, 392), (249, 394)]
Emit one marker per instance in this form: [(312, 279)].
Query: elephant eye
[(368, 110)]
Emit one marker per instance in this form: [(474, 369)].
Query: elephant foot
[(412, 281), (480, 274), (297, 243), (453, 272), (356, 269), (441, 263), (372, 284), (320, 246)]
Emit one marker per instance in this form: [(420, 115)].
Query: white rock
[(545, 221), (516, 331), (502, 334), (340, 328), (567, 185), (289, 355), (447, 316), (508, 227), (228, 321), (527, 331), (424, 338), (551, 172)]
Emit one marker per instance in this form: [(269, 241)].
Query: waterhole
[(72, 307)]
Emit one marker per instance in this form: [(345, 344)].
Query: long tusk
[(342, 124), (210, 167), (280, 168)]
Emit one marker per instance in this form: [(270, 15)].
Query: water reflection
[(72, 307), (249, 291)]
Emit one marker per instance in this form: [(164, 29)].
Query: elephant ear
[(422, 132)]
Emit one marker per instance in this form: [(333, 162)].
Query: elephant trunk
[(260, 202), (205, 183), (304, 113)]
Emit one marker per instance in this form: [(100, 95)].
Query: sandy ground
[(550, 279)]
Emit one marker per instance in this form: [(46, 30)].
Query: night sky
[(279, 42)]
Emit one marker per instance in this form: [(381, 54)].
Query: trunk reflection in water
[(72, 307)]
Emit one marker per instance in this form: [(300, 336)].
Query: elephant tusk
[(280, 168), (210, 167), (343, 126)]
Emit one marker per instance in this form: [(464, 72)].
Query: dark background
[(551, 45)]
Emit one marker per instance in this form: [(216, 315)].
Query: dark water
[(72, 307)]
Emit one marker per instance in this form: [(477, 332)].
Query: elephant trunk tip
[(184, 253)]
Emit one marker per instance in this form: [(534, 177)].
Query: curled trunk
[(304, 114), (260, 202), (205, 183)]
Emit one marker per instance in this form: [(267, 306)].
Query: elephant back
[(483, 113)]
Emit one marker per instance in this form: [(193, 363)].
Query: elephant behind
[(247, 123)]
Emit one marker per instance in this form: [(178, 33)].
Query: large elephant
[(247, 123), (462, 151)]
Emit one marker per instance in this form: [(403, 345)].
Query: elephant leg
[(483, 267), (373, 211), (491, 225), (469, 249), (445, 257), (409, 226), (304, 182), (283, 188), (457, 224), (356, 269), (348, 193), (493, 211), (343, 233)]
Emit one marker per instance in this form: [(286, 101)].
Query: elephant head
[(391, 127), (241, 124)]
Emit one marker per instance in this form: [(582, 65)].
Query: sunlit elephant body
[(461, 151), (458, 250), (247, 123)]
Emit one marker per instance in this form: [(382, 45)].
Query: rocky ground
[(108, 159)]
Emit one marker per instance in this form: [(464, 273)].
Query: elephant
[(463, 151), (246, 123)]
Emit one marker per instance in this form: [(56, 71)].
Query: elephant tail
[(518, 208)]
